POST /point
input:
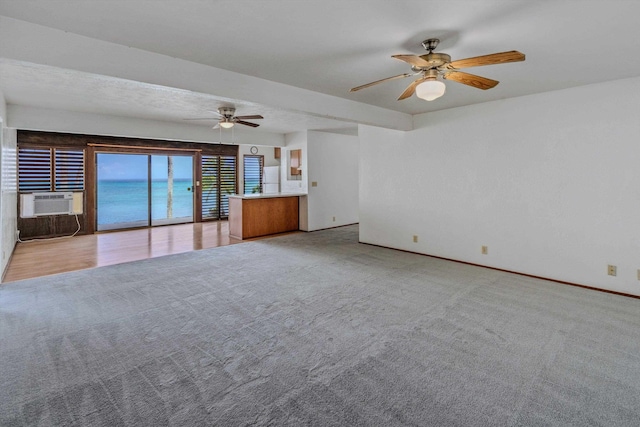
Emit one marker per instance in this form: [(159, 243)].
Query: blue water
[(126, 200), (252, 186)]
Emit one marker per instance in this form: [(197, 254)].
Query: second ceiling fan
[(433, 65), (228, 118)]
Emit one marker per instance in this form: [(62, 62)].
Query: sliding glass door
[(138, 190), (171, 189), (122, 193)]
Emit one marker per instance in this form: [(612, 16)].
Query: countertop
[(264, 195)]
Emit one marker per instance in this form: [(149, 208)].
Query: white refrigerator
[(271, 179)]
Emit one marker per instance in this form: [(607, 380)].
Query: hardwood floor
[(45, 257)]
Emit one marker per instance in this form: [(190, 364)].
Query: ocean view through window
[(137, 190)]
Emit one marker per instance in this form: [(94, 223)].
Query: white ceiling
[(57, 88), (325, 46)]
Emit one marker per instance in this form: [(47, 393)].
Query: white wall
[(330, 160), (333, 165), (549, 182), (294, 141), (8, 193), (3, 109), (245, 150)]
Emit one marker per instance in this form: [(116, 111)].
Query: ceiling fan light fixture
[(226, 124), (430, 89)]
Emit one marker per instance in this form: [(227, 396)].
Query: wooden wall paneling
[(48, 139), (115, 149), (34, 227), (66, 224), (50, 226), (90, 189)]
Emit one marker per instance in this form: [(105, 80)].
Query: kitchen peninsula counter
[(255, 215)]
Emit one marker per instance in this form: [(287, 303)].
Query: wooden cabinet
[(254, 217), (295, 162)]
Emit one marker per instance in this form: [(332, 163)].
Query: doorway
[(141, 190)]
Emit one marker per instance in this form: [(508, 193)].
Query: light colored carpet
[(314, 329)]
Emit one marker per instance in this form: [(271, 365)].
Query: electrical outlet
[(415, 239), (485, 250), (314, 183), (334, 219), (612, 270)]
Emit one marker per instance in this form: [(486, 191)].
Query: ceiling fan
[(227, 118), (433, 65)]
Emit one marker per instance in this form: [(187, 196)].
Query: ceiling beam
[(43, 119), (43, 45)]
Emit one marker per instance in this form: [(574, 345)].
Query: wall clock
[(254, 150)]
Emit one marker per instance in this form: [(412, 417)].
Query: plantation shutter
[(210, 187), (227, 183), (50, 169), (218, 181), (69, 170), (252, 174), (34, 169)]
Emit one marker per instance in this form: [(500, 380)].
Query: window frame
[(260, 159)]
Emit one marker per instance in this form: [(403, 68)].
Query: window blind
[(69, 170), (34, 169), (252, 174), (227, 183), (218, 181), (50, 169)]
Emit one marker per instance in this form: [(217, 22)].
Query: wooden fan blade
[(414, 60), (411, 89), (400, 76), (470, 80), (494, 58), (242, 122), (254, 117)]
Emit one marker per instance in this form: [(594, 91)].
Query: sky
[(134, 166)]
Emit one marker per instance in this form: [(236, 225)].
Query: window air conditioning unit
[(41, 204)]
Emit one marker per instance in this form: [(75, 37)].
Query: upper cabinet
[(295, 164)]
